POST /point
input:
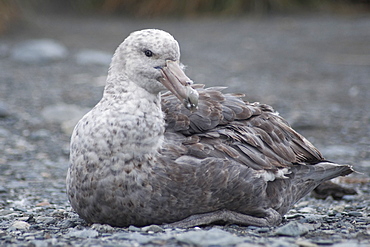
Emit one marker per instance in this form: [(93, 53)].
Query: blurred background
[(15, 10)]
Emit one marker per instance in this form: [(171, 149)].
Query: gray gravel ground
[(315, 70)]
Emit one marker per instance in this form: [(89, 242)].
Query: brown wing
[(224, 126)]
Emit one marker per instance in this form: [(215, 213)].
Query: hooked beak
[(175, 80)]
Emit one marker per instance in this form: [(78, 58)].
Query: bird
[(161, 149)]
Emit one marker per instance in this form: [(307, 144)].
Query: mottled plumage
[(139, 157)]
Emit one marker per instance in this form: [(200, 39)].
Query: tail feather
[(324, 171), (302, 180)]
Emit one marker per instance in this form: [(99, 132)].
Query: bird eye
[(148, 53)]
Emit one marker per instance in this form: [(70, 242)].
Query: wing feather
[(225, 126)]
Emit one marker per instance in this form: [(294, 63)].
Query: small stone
[(20, 209), (135, 236), (19, 225), (87, 57), (44, 203), (307, 210), (29, 238), (354, 214), (312, 218), (278, 242), (305, 243), (102, 228), (67, 224), (246, 245), (25, 218), (328, 232), (263, 230), (134, 228), (45, 220), (3, 189), (292, 229), (6, 212), (324, 241), (38, 51), (152, 228), (59, 213), (350, 197), (87, 233), (331, 213), (211, 237)]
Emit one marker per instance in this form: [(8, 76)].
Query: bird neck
[(137, 117)]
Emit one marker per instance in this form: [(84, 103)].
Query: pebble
[(67, 224), (355, 213), (246, 245), (133, 236), (93, 57), (86, 233), (312, 218), (45, 220), (263, 230), (38, 51), (134, 228), (19, 225), (213, 236), (307, 210), (323, 241), (3, 189), (305, 243), (152, 228), (292, 229), (102, 228), (349, 197)]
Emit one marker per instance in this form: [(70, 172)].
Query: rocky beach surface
[(314, 70)]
